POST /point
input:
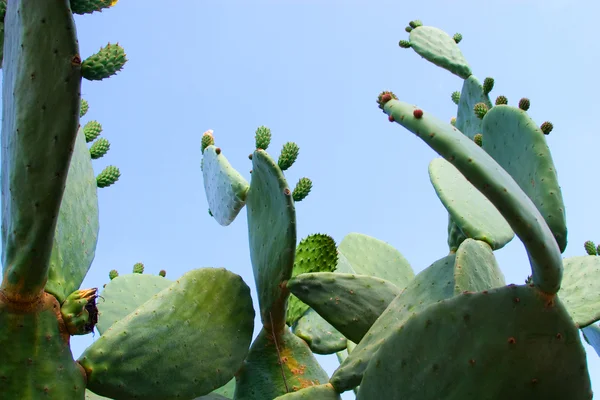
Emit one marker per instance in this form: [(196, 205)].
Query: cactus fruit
[(488, 85), (108, 176), (590, 248), (456, 97), (302, 189), (138, 268), (162, 273), (113, 274), (207, 140), (546, 127), (99, 148), (478, 138), (92, 130), (480, 110), (457, 37), (289, 154), (262, 137), (83, 109), (501, 100), (408, 29), (104, 64), (524, 104)]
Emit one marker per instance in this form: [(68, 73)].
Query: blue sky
[(311, 71)]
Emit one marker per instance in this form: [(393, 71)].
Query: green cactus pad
[(89, 6), (474, 214), (580, 289), (175, 344), (473, 268), (89, 395), (225, 188), (351, 303), (272, 236), (437, 47), (320, 392), (261, 374), (374, 257), (455, 236), (108, 176), (76, 233), (472, 93), (320, 335), (36, 145), (124, 294), (513, 139), (529, 341), (495, 183), (105, 63), (26, 371), (91, 130), (99, 148), (315, 253), (226, 390), (591, 335)]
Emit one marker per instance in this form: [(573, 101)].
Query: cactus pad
[(225, 188), (536, 349), (320, 335), (319, 392), (591, 335), (474, 214), (143, 355), (472, 93), (439, 48), (580, 290)]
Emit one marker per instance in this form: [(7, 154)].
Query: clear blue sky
[(311, 71)]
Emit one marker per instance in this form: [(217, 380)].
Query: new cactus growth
[(91, 130), (457, 37), (83, 108), (501, 100), (590, 248), (288, 156), (480, 110), (478, 138), (488, 85), (302, 189), (99, 148), (138, 268), (108, 176), (104, 64), (113, 274), (524, 104), (162, 273), (456, 97), (262, 137), (546, 127)]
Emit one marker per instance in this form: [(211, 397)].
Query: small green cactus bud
[(457, 38), (288, 156), (106, 63), (210, 213), (480, 110), (91, 130), (488, 85), (302, 189), (453, 121), (89, 6), (83, 109), (113, 274), (207, 139), (547, 127), (455, 97), (79, 311), (501, 100), (590, 248), (108, 176), (524, 104), (408, 29), (478, 138), (99, 148), (405, 44), (162, 273), (138, 268), (262, 137), (415, 24), (384, 97)]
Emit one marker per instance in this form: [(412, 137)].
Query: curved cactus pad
[(260, 376), (225, 188), (89, 395), (591, 334), (514, 140), (226, 390), (26, 371), (535, 348), (580, 290), (320, 392), (494, 182), (351, 303), (176, 344), (437, 47), (77, 227), (320, 335), (374, 257), (473, 268), (466, 120), (272, 236), (124, 294), (471, 211)]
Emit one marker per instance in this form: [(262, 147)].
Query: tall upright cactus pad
[(472, 93)]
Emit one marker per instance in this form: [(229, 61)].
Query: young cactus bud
[(105, 63), (501, 100), (162, 273), (478, 139), (92, 130), (89, 6), (99, 148), (480, 110), (83, 109), (384, 97), (453, 121), (408, 29), (79, 312), (262, 137), (138, 268), (302, 189), (288, 156), (207, 139), (108, 176), (547, 127), (415, 24), (488, 85), (113, 274), (457, 38), (590, 248), (405, 44), (455, 97), (524, 104)]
